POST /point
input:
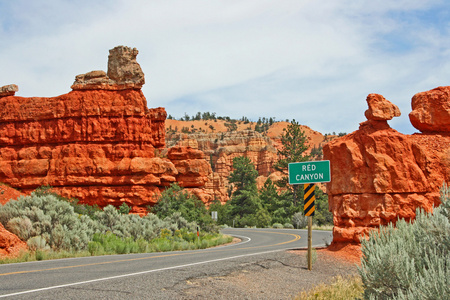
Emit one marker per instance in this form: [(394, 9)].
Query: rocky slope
[(380, 175)]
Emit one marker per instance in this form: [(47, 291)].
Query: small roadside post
[(198, 234), (308, 173)]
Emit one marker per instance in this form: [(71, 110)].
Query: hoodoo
[(98, 143), (380, 175)]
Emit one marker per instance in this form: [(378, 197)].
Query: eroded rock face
[(10, 244), (221, 148), (101, 146), (380, 175)]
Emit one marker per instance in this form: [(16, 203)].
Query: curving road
[(140, 275)]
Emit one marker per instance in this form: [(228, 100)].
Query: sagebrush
[(411, 260)]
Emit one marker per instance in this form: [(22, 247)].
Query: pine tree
[(294, 143), (245, 202)]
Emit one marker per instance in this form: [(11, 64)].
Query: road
[(140, 275)]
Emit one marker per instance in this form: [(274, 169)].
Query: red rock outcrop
[(221, 148), (7, 193), (379, 175), (10, 244), (431, 110), (99, 143)]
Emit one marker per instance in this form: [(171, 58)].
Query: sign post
[(308, 173)]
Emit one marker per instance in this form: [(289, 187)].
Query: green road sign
[(309, 172)]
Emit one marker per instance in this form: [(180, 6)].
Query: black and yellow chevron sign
[(310, 197)]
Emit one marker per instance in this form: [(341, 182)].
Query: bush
[(48, 222), (299, 220), (410, 261), (277, 225), (288, 226), (51, 219), (20, 226)]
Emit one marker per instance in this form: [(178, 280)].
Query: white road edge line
[(134, 274), (237, 244)]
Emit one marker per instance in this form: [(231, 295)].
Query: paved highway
[(141, 275)]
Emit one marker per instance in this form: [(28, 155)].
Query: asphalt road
[(142, 276)]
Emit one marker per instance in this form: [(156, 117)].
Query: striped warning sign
[(310, 197)]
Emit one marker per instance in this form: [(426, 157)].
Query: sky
[(312, 61)]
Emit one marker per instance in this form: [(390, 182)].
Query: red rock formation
[(98, 143), (10, 244), (7, 193), (221, 148), (379, 175), (431, 110)]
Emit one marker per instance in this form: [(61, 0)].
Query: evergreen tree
[(245, 202), (294, 145), (243, 176), (176, 199), (268, 195)]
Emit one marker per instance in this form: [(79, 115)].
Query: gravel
[(281, 275)]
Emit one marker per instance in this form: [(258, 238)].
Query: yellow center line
[(297, 237)]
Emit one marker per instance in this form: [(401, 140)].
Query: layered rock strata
[(98, 143), (380, 175), (221, 148)]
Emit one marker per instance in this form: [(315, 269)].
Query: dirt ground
[(283, 275)]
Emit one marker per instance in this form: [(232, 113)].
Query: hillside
[(274, 131), (223, 140)]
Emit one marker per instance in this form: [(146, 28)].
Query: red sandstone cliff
[(380, 175), (98, 143)]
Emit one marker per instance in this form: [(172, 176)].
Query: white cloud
[(286, 59)]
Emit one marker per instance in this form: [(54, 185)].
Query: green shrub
[(37, 242), (288, 226), (410, 261), (277, 225), (51, 219), (299, 220), (20, 226), (48, 222)]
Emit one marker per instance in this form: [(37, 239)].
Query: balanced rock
[(8, 90), (431, 110), (123, 67), (380, 175), (124, 72), (380, 109)]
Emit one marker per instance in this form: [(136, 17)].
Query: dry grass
[(339, 288)]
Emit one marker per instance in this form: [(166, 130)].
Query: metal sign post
[(308, 173), (309, 208)]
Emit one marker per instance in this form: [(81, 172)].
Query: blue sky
[(312, 61)]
